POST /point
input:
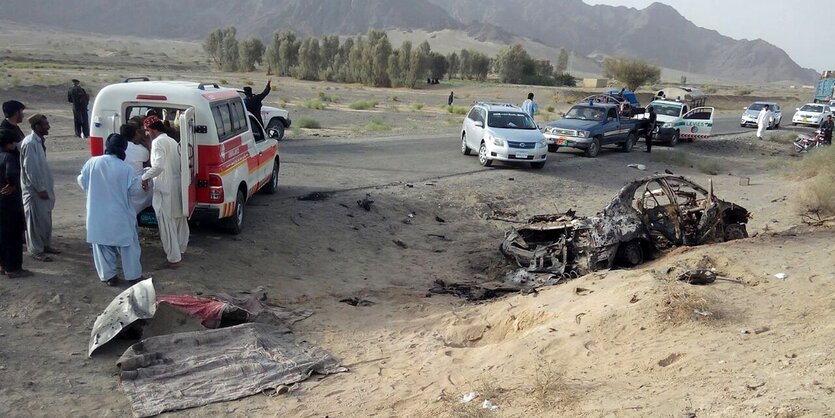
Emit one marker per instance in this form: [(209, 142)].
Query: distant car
[(750, 114), (275, 119), (811, 114), (503, 132)]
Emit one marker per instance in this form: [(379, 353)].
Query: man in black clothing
[(12, 220), (13, 111), (826, 128), (253, 101), (79, 99), (650, 127)]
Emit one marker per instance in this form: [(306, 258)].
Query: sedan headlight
[(542, 143), (498, 141)]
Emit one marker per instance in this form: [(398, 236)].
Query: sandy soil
[(615, 343)]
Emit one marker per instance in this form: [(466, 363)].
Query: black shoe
[(113, 281)]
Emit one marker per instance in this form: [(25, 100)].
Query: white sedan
[(811, 114)]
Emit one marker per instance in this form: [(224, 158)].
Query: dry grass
[(816, 173), (487, 390), (674, 157), (683, 303), (709, 166), (550, 389), (307, 123), (363, 104)]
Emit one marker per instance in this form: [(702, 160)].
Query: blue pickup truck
[(591, 125)]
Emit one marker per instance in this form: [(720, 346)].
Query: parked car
[(647, 216), (502, 132), (676, 120), (750, 113), (591, 125), (811, 114), (276, 120)]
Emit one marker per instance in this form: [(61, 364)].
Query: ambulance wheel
[(234, 223), (272, 186)]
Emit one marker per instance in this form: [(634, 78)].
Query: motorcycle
[(805, 142)]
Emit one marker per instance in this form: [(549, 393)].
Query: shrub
[(308, 123), (393, 98), (743, 92), (223, 81), (457, 110), (565, 80), (817, 190), (315, 104), (248, 82), (549, 109), (378, 125), (363, 104), (325, 98), (708, 166), (632, 72), (417, 106), (674, 157)]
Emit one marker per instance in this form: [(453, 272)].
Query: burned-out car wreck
[(647, 216)]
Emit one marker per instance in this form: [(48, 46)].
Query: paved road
[(730, 125)]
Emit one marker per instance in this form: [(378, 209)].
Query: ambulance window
[(218, 121), (226, 118), (236, 115)]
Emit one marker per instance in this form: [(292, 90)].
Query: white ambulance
[(226, 155)]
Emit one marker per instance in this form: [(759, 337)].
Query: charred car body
[(647, 216)]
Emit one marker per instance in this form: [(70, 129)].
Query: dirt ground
[(610, 344)]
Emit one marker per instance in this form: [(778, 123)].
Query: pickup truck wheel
[(234, 223), (553, 147), (483, 159), (272, 186), (630, 142), (278, 125), (538, 165), (673, 139), (464, 148), (593, 149), (777, 125)]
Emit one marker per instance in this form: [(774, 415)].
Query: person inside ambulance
[(168, 197), (138, 157)]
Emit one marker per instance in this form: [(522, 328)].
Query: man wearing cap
[(110, 184), (13, 113), (253, 102), (38, 190), (79, 99), (168, 197)]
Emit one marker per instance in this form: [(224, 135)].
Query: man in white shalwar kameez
[(38, 190), (168, 197), (109, 183), (763, 121)]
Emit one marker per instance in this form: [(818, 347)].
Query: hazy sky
[(804, 29)]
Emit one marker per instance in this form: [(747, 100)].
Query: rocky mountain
[(657, 33)]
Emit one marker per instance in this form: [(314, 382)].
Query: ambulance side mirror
[(273, 133)]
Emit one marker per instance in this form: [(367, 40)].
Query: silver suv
[(503, 132)]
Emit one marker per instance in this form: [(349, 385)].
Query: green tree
[(562, 61), (438, 66), (514, 64), (419, 64), (250, 52), (632, 72), (395, 73), (328, 51), (380, 51), (454, 64), (213, 45), (479, 65), (308, 67), (288, 53), (229, 45), (465, 66), (404, 63)]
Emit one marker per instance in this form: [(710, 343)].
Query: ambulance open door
[(188, 161)]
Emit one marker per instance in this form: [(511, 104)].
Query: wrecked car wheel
[(553, 147), (464, 148), (735, 231), (483, 159), (593, 149), (631, 254)]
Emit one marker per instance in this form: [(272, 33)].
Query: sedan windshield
[(812, 109), (586, 113), (510, 120), (758, 107)]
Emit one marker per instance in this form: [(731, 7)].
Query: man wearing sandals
[(38, 190)]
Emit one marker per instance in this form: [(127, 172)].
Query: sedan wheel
[(464, 148), (483, 159)]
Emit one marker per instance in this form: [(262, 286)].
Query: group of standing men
[(118, 184), (140, 167), (27, 194)]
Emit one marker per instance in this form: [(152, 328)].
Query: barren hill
[(657, 33)]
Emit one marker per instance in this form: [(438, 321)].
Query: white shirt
[(136, 156), (166, 172), (764, 118)]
